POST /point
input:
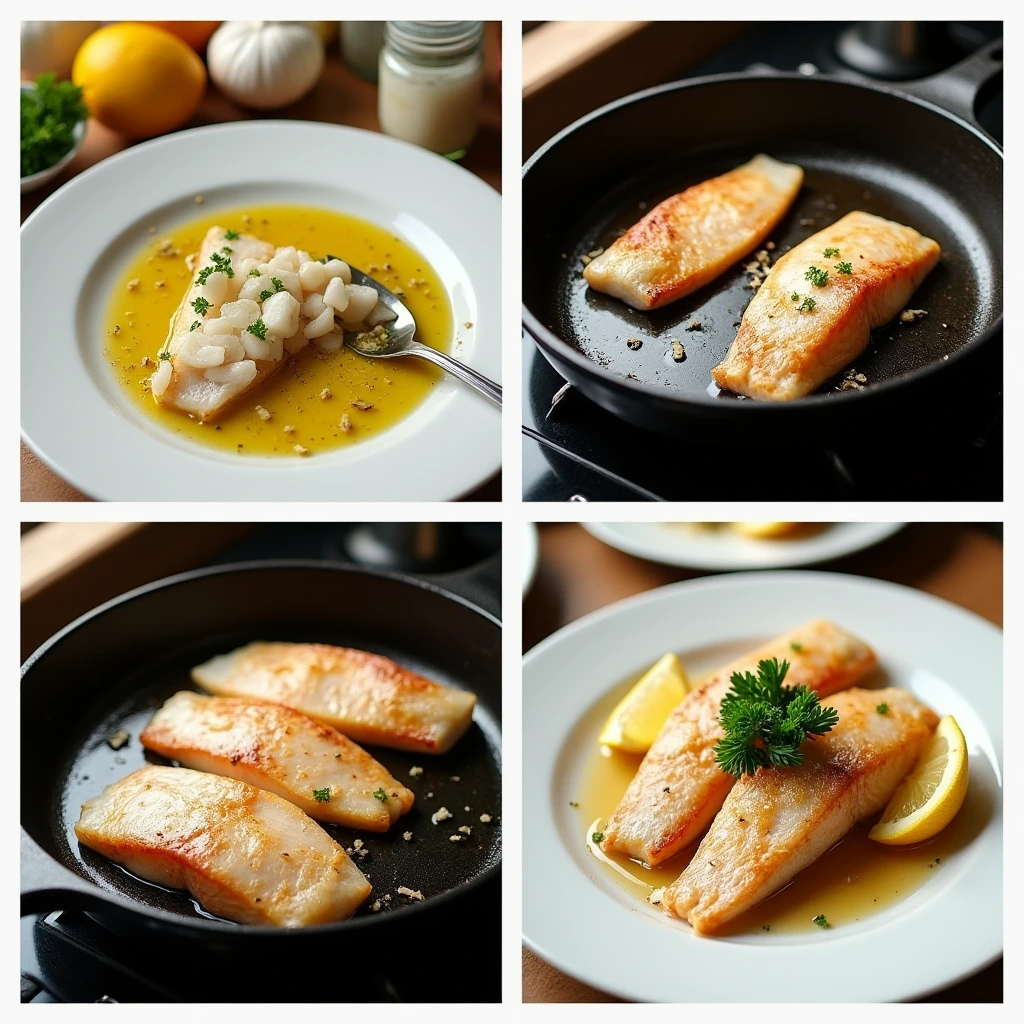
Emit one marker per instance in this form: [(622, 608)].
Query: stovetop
[(575, 450), (67, 956)]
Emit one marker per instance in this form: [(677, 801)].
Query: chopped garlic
[(441, 814), (264, 414), (415, 770), (325, 394), (407, 836), (485, 818), (413, 894), (300, 450)]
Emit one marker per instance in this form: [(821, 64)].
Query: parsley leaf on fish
[(597, 837), (883, 708), (381, 795), (766, 722), (844, 268), (807, 304), (817, 276), (201, 305), (322, 795), (830, 252), (259, 328), (820, 921), (230, 235)]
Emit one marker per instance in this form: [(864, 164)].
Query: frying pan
[(113, 667), (912, 152)]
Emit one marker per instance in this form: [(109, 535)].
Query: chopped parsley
[(817, 276), (597, 837), (227, 249), (201, 305), (844, 268), (49, 115), (165, 356), (796, 647), (276, 283), (221, 264), (265, 294), (231, 235), (795, 297), (820, 921), (883, 708), (807, 304), (254, 272), (381, 795), (195, 324), (321, 796), (204, 274), (830, 252), (259, 328)]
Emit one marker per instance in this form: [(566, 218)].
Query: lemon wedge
[(639, 716), (929, 797), (764, 529)]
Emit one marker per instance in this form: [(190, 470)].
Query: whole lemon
[(195, 33), (139, 80)]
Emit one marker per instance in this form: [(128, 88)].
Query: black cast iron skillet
[(112, 668), (911, 152)]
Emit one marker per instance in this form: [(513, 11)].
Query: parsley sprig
[(766, 722), (817, 276), (49, 115)]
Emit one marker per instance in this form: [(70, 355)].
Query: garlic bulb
[(265, 64), (52, 45)]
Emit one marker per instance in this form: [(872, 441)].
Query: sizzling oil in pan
[(835, 184), (467, 776)]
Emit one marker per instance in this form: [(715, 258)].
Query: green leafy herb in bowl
[(53, 120)]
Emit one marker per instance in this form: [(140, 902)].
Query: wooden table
[(340, 97), (961, 563)]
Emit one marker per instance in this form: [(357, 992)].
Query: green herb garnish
[(597, 837), (883, 708), (807, 304), (201, 305), (766, 722), (817, 276), (254, 272), (164, 356), (830, 252), (265, 294), (820, 921), (381, 795), (231, 235), (221, 264), (277, 284), (321, 796), (795, 296), (204, 274), (259, 328), (796, 647), (49, 114), (844, 268), (195, 324)]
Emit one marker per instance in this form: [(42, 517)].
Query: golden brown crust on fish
[(776, 822), (690, 238), (365, 696), (782, 352), (679, 787)]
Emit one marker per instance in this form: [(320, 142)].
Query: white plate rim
[(710, 554), (643, 956), (530, 555), (442, 450)]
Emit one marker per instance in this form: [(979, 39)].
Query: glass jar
[(431, 82)]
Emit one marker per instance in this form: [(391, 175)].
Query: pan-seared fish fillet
[(277, 748), (367, 697), (248, 308), (690, 238), (775, 823), (782, 352), (679, 788), (243, 853)]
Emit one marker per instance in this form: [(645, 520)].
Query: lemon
[(764, 529), (139, 80), (929, 797), (639, 716)]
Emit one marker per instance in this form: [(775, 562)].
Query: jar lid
[(434, 40)]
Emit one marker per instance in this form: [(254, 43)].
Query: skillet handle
[(47, 885), (957, 88)]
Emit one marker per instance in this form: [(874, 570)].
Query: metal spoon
[(397, 340)]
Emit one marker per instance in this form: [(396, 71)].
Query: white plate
[(530, 553), (76, 417), (674, 544), (576, 918)]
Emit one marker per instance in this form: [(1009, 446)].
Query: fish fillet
[(367, 697), (243, 853), (690, 238), (775, 823), (679, 788), (782, 352), (282, 750)]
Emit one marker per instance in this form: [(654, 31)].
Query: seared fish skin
[(243, 853), (679, 788), (778, 821), (692, 237), (282, 750), (781, 352), (367, 697)]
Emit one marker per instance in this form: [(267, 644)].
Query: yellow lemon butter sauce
[(312, 393)]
